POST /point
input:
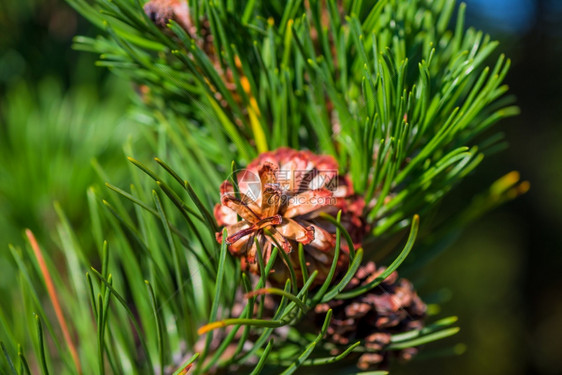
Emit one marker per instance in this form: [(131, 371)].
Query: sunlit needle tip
[(209, 327)]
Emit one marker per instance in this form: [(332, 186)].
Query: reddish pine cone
[(283, 193), (162, 11), (392, 307)]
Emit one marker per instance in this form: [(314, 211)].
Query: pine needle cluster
[(400, 93)]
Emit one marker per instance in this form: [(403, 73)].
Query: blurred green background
[(503, 277)]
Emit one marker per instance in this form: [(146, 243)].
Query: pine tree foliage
[(45, 132), (398, 92), (407, 91)]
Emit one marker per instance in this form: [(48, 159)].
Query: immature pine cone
[(283, 192), (162, 11), (392, 307)]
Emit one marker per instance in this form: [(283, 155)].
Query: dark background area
[(504, 276)]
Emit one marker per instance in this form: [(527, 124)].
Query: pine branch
[(402, 102)]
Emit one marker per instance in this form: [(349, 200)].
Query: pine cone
[(392, 307), (283, 192), (162, 11)]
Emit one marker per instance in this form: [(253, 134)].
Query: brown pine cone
[(282, 196), (392, 307), (162, 11)]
